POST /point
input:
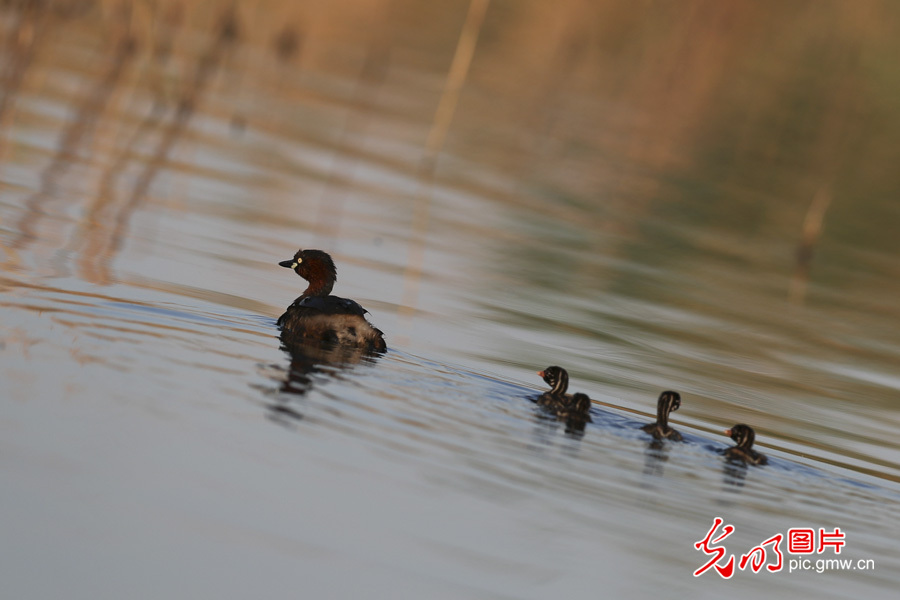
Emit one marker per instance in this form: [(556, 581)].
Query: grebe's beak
[(540, 373), (289, 264), (728, 432)]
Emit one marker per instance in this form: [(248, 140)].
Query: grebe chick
[(558, 380), (668, 402), (556, 400), (743, 436), (578, 408)]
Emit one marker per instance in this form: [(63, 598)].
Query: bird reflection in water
[(734, 474), (311, 364), (655, 457), (546, 434), (574, 422)]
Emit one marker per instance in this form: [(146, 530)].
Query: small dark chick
[(744, 436), (556, 400), (668, 402)]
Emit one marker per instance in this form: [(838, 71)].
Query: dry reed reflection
[(443, 118), (812, 230), (361, 108), (664, 75), (78, 135), (207, 66)]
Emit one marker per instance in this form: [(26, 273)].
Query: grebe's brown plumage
[(668, 402), (317, 316), (744, 436)]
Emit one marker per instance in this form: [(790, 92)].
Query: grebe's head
[(743, 435), (316, 267), (557, 378), (668, 402), (581, 403)]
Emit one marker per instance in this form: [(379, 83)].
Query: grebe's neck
[(668, 401), (562, 383), (746, 439), (321, 277)]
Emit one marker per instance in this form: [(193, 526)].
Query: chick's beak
[(540, 373), (728, 432), (289, 264)]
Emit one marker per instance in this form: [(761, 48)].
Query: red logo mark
[(718, 552), (757, 556), (834, 539), (801, 541)]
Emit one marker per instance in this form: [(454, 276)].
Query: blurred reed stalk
[(368, 83), (812, 230), (443, 117), (78, 137)]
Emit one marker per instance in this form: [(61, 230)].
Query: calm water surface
[(157, 161)]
